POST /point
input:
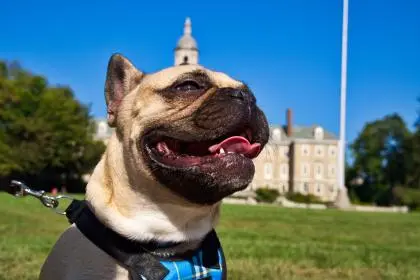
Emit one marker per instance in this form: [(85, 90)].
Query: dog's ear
[(121, 78)]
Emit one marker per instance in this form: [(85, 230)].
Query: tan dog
[(184, 139)]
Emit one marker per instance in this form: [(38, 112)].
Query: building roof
[(278, 134), (301, 132), (187, 41)]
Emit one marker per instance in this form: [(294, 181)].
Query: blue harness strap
[(194, 268), (207, 262)]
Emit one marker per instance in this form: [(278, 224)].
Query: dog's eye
[(188, 85)]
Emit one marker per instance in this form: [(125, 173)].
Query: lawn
[(260, 242)]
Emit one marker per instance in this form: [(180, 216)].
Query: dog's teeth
[(230, 152), (221, 151)]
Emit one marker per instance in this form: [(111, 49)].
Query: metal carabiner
[(19, 189)]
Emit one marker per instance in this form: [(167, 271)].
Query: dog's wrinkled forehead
[(168, 76)]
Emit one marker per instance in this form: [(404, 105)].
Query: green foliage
[(408, 196), (267, 195), (381, 157), (413, 177), (303, 198), (386, 155), (45, 133)]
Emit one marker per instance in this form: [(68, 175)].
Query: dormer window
[(102, 128), (276, 134), (318, 133)]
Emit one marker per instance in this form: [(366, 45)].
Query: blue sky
[(287, 51)]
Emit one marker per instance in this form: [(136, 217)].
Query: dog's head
[(193, 130)]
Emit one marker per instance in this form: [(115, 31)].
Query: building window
[(319, 170), (332, 151), (284, 151), (318, 133), (268, 171), (318, 188), (284, 171), (269, 152), (319, 150), (332, 189), (305, 150), (305, 169), (305, 187), (331, 170)]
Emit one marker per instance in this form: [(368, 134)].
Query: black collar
[(139, 258)]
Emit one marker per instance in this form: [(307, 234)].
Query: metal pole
[(342, 142)]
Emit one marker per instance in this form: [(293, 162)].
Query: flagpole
[(342, 141)]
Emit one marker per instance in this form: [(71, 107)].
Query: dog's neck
[(146, 210)]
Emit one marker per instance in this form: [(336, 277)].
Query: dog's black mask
[(208, 155)]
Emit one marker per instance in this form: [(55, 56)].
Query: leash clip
[(19, 189)]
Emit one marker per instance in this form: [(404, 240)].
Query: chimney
[(289, 122)]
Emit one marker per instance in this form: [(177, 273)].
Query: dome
[(187, 41)]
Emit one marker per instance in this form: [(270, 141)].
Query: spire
[(186, 51), (187, 26)]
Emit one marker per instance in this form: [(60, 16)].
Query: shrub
[(408, 197), (304, 198), (267, 195)]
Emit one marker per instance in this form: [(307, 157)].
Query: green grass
[(260, 242)]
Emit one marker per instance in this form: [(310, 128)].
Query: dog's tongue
[(239, 145)]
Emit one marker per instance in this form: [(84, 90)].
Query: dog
[(184, 139)]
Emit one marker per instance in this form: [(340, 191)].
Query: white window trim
[(318, 133), (319, 148), (318, 166), (330, 172), (268, 171), (319, 188), (303, 148), (284, 167), (308, 169), (332, 151), (303, 188)]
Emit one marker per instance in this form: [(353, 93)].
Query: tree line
[(385, 166), (46, 135)]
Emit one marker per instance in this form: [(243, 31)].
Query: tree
[(46, 135), (381, 153), (414, 163)]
